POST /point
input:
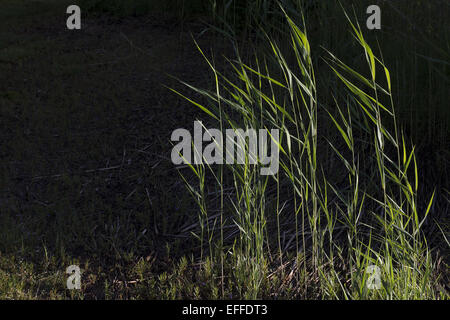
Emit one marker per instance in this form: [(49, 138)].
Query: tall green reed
[(340, 229)]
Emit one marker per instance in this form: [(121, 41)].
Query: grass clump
[(328, 229)]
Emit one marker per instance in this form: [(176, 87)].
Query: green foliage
[(375, 205)]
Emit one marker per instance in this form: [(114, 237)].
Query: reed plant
[(339, 228)]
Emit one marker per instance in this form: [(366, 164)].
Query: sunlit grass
[(372, 218)]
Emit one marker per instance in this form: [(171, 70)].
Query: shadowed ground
[(85, 154)]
